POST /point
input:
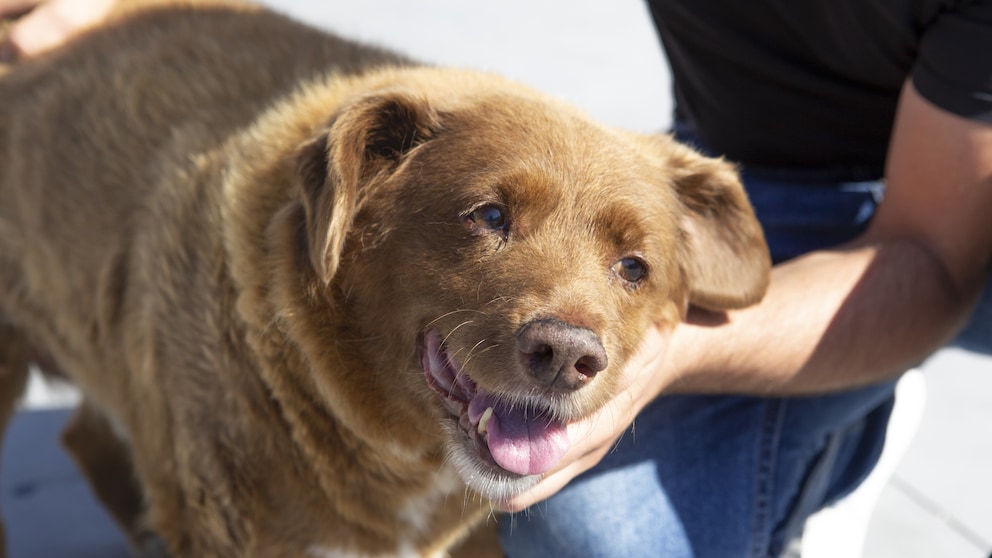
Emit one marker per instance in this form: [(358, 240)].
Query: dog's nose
[(559, 354)]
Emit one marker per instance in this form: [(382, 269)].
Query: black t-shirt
[(814, 83)]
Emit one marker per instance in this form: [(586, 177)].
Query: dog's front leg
[(105, 459)]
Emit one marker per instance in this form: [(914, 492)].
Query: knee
[(617, 513)]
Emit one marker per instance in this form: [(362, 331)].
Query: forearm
[(831, 320), (864, 313)]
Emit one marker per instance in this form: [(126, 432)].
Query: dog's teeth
[(484, 420)]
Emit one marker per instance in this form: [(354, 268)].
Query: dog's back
[(148, 118), (120, 244)]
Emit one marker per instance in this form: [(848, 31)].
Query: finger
[(582, 457), (10, 8), (49, 25), (543, 490), (36, 32)]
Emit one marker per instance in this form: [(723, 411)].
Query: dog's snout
[(559, 354)]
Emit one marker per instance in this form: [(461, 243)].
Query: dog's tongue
[(521, 442), (526, 445)]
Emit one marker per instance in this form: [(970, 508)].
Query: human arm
[(865, 312), (840, 318), (47, 24)]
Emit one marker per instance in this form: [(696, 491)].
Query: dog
[(321, 300)]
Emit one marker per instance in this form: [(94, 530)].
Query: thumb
[(51, 24), (35, 33)]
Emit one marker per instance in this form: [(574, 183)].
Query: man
[(818, 101)]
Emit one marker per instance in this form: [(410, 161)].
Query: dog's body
[(309, 290)]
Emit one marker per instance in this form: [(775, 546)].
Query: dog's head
[(504, 255)]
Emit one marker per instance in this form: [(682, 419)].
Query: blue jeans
[(731, 476)]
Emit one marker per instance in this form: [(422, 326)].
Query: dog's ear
[(366, 140), (726, 258)]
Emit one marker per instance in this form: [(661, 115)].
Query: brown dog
[(311, 292)]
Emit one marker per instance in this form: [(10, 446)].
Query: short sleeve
[(954, 66)]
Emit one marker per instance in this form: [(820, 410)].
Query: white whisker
[(453, 312)]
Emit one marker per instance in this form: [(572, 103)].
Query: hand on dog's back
[(47, 24)]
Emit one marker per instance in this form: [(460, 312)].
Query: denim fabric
[(710, 477), (977, 335), (731, 476)]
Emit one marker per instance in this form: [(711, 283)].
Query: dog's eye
[(631, 270), (488, 217)]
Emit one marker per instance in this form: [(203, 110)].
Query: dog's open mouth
[(517, 438)]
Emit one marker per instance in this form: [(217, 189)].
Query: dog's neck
[(298, 331), (284, 305), (360, 456)]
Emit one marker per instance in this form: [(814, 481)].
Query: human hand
[(641, 381), (46, 24)]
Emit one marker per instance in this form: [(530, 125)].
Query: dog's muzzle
[(518, 438)]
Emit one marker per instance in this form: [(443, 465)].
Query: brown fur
[(232, 231)]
